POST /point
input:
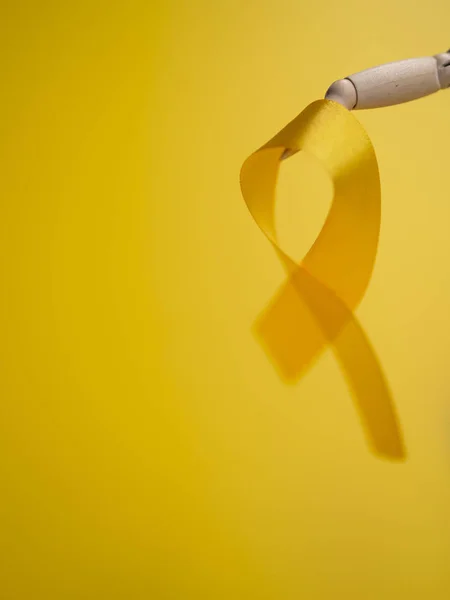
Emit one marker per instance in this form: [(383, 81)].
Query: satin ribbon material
[(314, 308)]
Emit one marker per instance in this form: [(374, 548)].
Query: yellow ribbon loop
[(314, 307)]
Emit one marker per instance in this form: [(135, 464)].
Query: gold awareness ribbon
[(314, 307)]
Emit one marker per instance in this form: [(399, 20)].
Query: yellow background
[(148, 449)]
